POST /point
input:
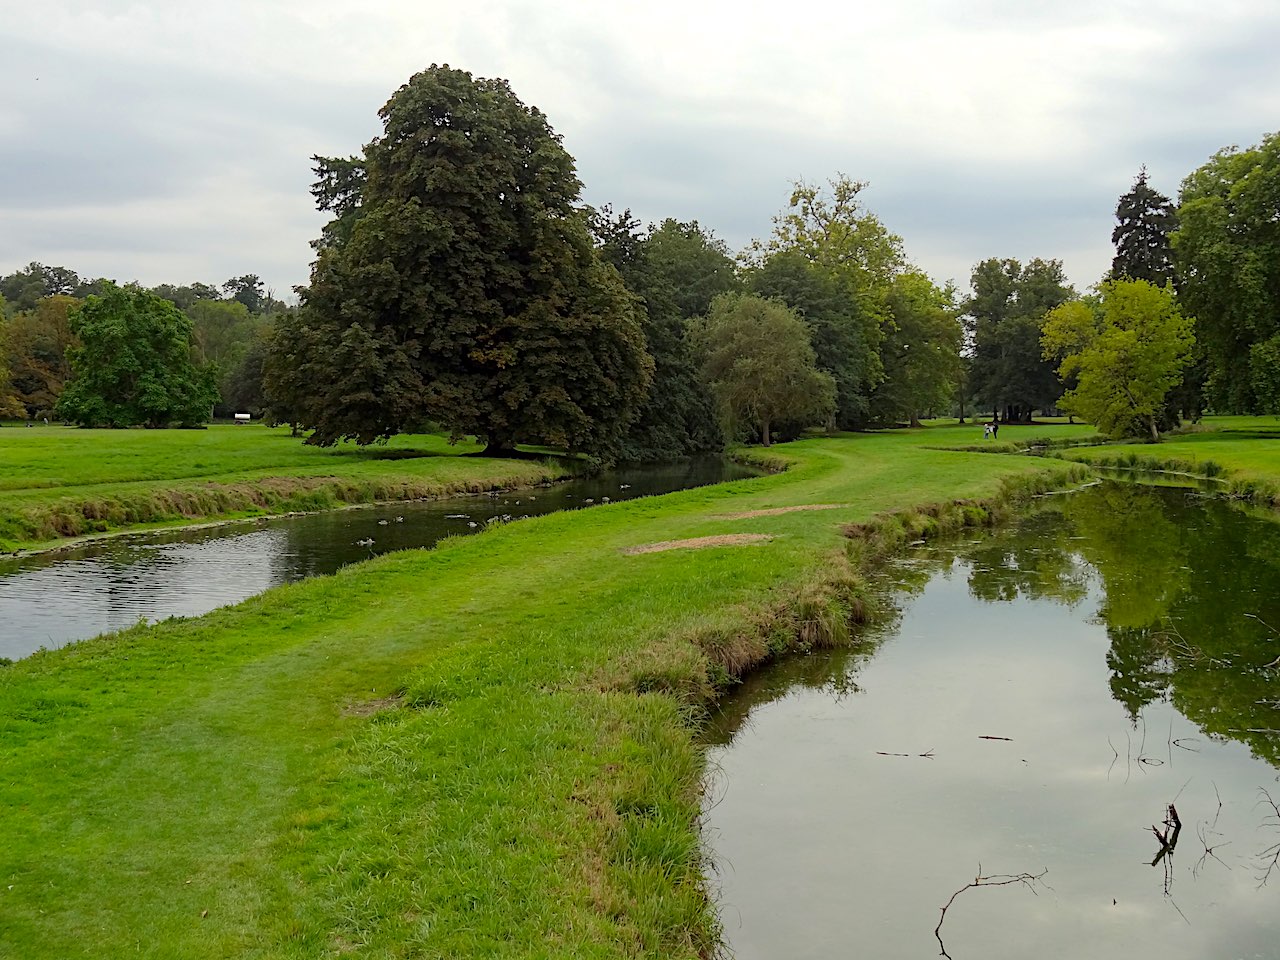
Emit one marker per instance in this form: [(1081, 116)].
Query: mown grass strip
[(481, 750)]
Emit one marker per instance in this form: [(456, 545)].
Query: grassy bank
[(480, 750), (1241, 452), (58, 483)]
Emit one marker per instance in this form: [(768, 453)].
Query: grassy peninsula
[(486, 749)]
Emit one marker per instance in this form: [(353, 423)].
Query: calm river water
[(51, 599), (1043, 696)]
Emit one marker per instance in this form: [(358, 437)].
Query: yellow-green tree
[(1128, 350)]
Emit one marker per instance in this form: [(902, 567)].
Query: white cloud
[(1001, 128)]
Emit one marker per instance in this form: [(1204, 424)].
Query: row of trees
[(461, 283), (226, 330)]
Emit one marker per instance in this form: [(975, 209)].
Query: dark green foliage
[(247, 290), (1144, 220), (337, 190), (241, 385), (468, 291), (23, 288), (842, 333), (695, 266), (184, 296), (1008, 373), (673, 268), (1227, 252), (133, 364), (10, 405)]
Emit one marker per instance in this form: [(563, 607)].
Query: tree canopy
[(1127, 351), (38, 341), (1144, 220), (1227, 253), (10, 405), (132, 364), (674, 269), (1008, 372), (850, 259), (921, 350), (468, 291), (760, 365)]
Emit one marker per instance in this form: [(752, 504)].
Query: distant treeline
[(461, 283)]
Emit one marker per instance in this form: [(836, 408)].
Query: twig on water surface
[(983, 736), (928, 753), (1205, 830), (1028, 880), (1269, 858)]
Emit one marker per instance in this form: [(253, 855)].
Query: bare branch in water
[(1269, 858), (1028, 880)]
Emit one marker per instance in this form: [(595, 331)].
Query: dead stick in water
[(1028, 880)]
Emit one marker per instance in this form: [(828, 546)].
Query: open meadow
[(485, 749)]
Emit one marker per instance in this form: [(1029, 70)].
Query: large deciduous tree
[(853, 259), (1127, 352), (761, 366), (1008, 373), (10, 405), (842, 334), (674, 269), (224, 331), (1144, 219), (1227, 253), (39, 340), (921, 350), (133, 364), (466, 290)]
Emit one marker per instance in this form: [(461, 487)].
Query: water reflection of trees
[(1036, 562), (1189, 588)]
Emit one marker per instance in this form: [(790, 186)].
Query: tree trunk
[(499, 445), (1155, 432), (764, 433)]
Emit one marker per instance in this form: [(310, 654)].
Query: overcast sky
[(171, 141)]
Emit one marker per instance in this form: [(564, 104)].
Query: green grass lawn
[(480, 750), (487, 749), (60, 482), (1244, 451)]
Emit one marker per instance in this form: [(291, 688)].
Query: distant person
[(986, 431), (995, 429)]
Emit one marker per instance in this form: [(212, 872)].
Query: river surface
[(1041, 697), (51, 599)]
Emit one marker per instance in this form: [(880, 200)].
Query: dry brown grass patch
[(367, 708), (700, 543), (775, 511)]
